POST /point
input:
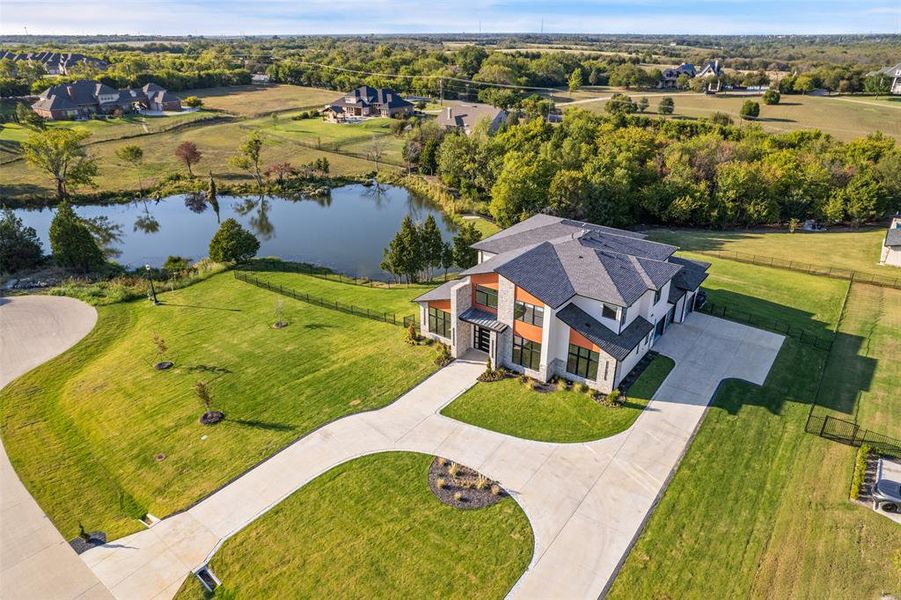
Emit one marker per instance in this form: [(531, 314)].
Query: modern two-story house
[(551, 296)]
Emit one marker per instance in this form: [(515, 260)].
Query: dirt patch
[(462, 487)]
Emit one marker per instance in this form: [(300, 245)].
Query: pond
[(345, 231)]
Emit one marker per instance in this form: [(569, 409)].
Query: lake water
[(346, 231)]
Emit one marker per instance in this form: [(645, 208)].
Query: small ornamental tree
[(132, 155), (771, 97), (643, 103), (749, 110), (60, 154), (575, 80), (666, 106), (620, 104), (192, 102), (233, 243), (71, 241), (189, 155), (721, 118), (249, 157), (210, 416)]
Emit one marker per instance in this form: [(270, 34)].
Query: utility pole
[(441, 91)]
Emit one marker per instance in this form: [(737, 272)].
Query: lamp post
[(152, 289)]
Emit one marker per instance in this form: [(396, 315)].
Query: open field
[(253, 100), (511, 407), (371, 528), (758, 508), (849, 250), (843, 118), (864, 370), (102, 415)]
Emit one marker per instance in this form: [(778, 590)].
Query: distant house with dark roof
[(556, 297), (56, 63), (710, 70), (464, 116), (893, 73), (85, 98), (671, 74), (891, 245), (366, 102)]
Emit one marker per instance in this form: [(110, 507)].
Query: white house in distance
[(893, 73), (891, 246), (552, 296), (464, 116)]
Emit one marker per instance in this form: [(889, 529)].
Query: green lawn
[(371, 528), (253, 100), (758, 508), (486, 228), (852, 251), (394, 300), (511, 407), (100, 413)]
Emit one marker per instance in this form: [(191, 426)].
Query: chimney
[(450, 113), (389, 98)]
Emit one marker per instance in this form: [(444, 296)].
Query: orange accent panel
[(441, 304), (527, 331), (524, 296), (488, 280), (577, 339)]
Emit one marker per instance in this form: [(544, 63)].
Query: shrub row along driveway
[(35, 560), (586, 502)]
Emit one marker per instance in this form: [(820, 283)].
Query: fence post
[(823, 426)]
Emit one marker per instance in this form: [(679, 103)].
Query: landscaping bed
[(462, 487)]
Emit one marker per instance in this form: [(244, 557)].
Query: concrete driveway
[(35, 561), (586, 502)]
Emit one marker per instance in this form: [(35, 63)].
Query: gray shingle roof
[(693, 273), (540, 272), (467, 115), (617, 346), (893, 237), (442, 292), (366, 96), (482, 319)]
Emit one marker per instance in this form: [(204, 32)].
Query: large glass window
[(656, 296), (439, 322), (528, 313), (486, 296), (582, 362), (526, 353)]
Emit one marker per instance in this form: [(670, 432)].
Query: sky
[(269, 17)]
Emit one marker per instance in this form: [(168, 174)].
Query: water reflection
[(346, 229)]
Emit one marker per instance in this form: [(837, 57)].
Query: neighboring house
[(551, 296), (893, 73), (891, 246), (711, 69), (464, 116), (85, 98), (671, 74), (56, 63), (259, 78), (365, 102)]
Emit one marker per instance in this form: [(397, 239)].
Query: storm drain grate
[(208, 578)]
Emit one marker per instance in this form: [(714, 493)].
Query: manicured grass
[(863, 377), (843, 118), (759, 508), (511, 407), (394, 300), (486, 228), (100, 413), (371, 528), (252, 100), (852, 251)]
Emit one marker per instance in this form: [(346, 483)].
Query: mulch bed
[(463, 482), (162, 366), (95, 538), (212, 417)]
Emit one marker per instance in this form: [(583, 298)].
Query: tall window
[(439, 322), (526, 353), (486, 296), (609, 311), (656, 296), (582, 362), (528, 313)]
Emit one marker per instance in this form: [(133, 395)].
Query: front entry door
[(661, 326), (482, 339)]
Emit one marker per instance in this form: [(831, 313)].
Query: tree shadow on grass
[(318, 326), (255, 424), (804, 357), (201, 307), (207, 369)]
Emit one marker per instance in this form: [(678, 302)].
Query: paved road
[(35, 560), (586, 502)]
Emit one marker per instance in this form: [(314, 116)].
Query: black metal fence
[(351, 309), (280, 266), (793, 265), (848, 432), (823, 342)]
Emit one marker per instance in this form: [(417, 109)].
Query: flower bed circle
[(162, 366), (212, 417), (462, 487)]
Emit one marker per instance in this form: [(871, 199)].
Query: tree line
[(417, 251)]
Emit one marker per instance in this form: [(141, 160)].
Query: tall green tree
[(521, 188), (749, 110), (575, 80), (403, 257), (249, 157), (71, 241), (58, 153), (20, 247), (431, 245), (666, 106), (467, 235), (233, 243)]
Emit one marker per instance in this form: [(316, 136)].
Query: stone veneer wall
[(506, 293), (461, 299)]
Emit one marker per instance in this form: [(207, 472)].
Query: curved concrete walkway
[(35, 561), (586, 502)]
